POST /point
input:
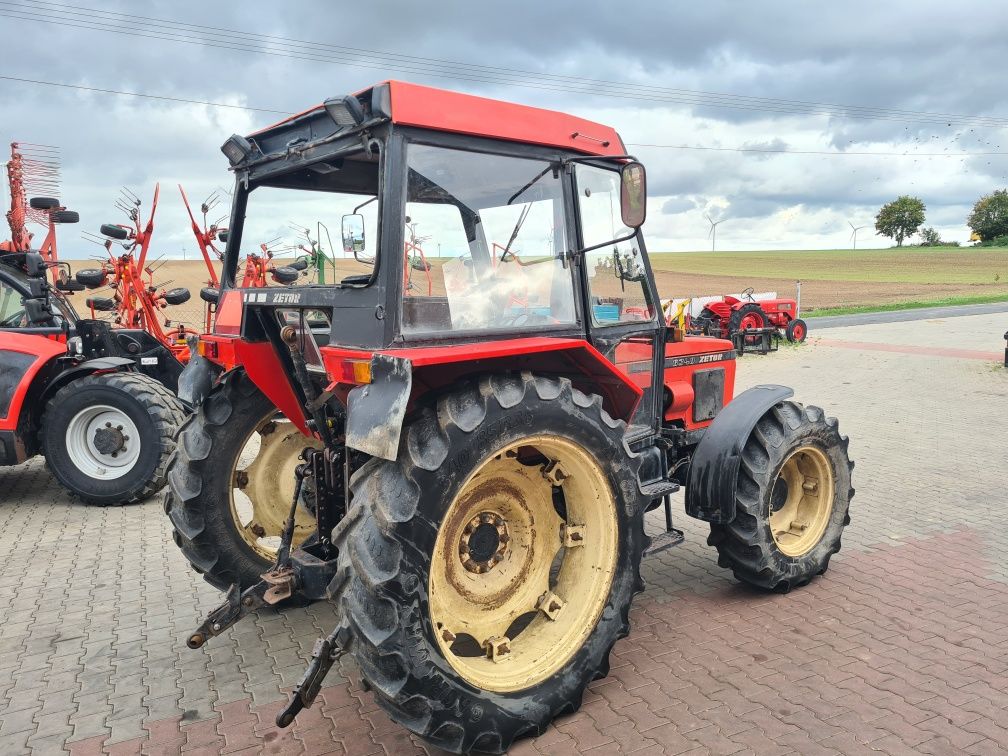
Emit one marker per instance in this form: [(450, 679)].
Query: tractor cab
[(465, 228)]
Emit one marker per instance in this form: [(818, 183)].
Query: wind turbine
[(712, 234), (854, 230)]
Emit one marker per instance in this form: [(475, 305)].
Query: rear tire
[(201, 486), (75, 453), (749, 315), (389, 550), (794, 465)]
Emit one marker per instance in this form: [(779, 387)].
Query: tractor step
[(664, 542), (659, 488)]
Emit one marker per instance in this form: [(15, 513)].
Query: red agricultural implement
[(750, 323), (464, 471), (136, 301), (34, 169)]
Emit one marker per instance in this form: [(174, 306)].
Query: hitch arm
[(327, 650), (236, 606)]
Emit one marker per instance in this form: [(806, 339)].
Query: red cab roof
[(443, 110)]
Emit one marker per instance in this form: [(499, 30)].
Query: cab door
[(621, 308)]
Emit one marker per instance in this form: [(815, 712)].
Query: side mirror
[(38, 312), (353, 233), (633, 194)]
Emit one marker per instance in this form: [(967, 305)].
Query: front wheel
[(108, 437), (791, 499), (487, 573), (796, 331)]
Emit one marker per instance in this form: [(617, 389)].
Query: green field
[(921, 265)]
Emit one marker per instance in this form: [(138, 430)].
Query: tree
[(900, 218), (990, 215), (930, 237)]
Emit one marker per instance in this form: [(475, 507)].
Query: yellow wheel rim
[(262, 486), (801, 501), (515, 589)]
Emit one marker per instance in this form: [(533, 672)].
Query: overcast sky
[(928, 56)]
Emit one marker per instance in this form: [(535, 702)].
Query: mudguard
[(197, 377), (375, 411), (713, 473)]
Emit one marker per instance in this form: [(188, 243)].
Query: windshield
[(292, 229), (485, 243)]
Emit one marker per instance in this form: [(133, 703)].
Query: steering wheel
[(748, 294), (15, 320)]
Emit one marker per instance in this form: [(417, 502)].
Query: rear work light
[(345, 111)]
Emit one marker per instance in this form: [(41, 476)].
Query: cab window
[(616, 274), (485, 243)]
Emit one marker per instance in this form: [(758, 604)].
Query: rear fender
[(713, 472), (402, 379), (268, 372)]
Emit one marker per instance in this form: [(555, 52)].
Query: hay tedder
[(137, 303), (464, 469)]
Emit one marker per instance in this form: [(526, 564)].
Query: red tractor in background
[(71, 390), (749, 322), (464, 470)]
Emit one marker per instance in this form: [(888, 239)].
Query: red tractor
[(464, 470), (748, 321), (70, 390)]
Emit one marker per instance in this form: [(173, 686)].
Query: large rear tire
[(108, 437), (748, 316), (791, 500), (464, 551), (231, 481)]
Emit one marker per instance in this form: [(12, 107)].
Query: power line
[(141, 94), (757, 150), (250, 42), (814, 152)]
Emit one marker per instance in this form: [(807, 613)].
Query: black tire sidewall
[(814, 561), (236, 560), (77, 396), (428, 670)]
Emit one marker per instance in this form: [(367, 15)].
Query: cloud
[(784, 51)]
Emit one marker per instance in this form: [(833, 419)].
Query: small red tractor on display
[(136, 301), (748, 322), (464, 470), (70, 390)]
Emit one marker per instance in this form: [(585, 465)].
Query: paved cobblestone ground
[(899, 648)]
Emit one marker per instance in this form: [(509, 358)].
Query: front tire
[(427, 569), (796, 331), (791, 500), (108, 437)]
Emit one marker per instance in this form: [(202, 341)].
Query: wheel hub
[(513, 589), (109, 440), (483, 543)]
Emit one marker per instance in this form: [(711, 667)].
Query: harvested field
[(830, 278)]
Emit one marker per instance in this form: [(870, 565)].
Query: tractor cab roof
[(439, 110)]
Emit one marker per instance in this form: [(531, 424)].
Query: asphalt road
[(901, 316)]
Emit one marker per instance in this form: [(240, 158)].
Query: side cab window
[(617, 281)]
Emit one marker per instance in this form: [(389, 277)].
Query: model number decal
[(699, 359)]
